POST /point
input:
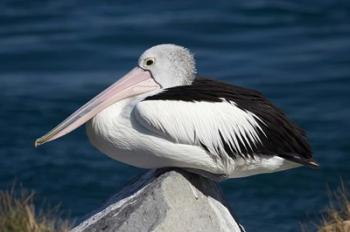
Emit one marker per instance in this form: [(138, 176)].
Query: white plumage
[(162, 134), (186, 122)]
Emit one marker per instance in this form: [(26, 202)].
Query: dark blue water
[(55, 55)]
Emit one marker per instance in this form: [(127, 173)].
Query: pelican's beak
[(136, 82)]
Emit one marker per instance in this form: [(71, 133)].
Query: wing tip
[(308, 162), (312, 163)]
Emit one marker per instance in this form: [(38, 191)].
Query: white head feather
[(171, 65)]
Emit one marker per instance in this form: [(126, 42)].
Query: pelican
[(160, 114)]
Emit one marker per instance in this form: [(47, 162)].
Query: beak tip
[(37, 143)]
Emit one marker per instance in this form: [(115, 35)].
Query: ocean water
[(56, 55)]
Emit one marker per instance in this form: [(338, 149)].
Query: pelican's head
[(159, 67), (169, 64)]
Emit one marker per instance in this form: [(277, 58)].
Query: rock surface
[(164, 200)]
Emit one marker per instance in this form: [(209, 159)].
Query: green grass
[(18, 214)]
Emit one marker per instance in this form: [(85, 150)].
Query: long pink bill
[(136, 82)]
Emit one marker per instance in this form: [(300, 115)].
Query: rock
[(162, 201)]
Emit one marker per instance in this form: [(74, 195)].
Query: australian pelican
[(161, 115)]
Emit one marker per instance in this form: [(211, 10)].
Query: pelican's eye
[(149, 61)]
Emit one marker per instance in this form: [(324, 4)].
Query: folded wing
[(225, 120)]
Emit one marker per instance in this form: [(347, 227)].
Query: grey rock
[(162, 201)]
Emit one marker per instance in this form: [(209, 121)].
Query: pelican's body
[(161, 115), (134, 144)]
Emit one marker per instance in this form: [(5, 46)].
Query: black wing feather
[(282, 137)]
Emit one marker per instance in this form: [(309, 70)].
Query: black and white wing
[(224, 120)]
